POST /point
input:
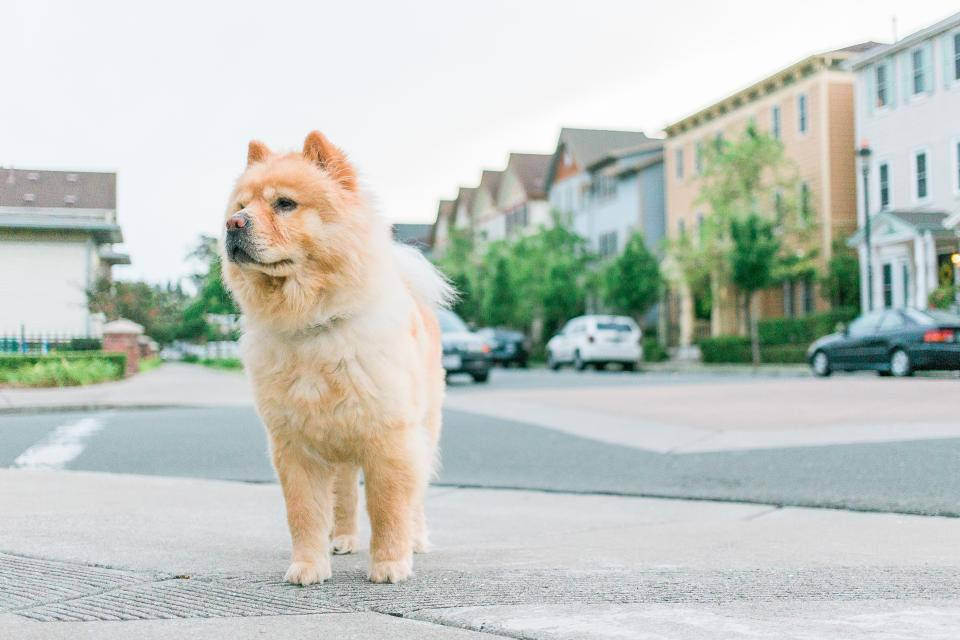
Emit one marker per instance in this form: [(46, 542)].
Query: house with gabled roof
[(440, 231), (487, 221), (57, 236), (522, 196), (590, 184)]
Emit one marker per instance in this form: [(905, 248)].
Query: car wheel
[(578, 362), (599, 366), (629, 366), (900, 365), (552, 363), (821, 364), (481, 377)]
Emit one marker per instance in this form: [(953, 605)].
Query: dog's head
[(295, 228)]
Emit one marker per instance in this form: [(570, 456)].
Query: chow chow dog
[(343, 348)]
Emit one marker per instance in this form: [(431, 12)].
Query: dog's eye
[(284, 205)]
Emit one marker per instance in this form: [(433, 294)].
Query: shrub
[(61, 372), (222, 363), (16, 361), (653, 351), (802, 331), (734, 349), (943, 297)]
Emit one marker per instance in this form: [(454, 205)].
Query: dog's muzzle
[(238, 245)]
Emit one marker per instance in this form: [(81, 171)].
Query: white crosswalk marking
[(62, 445)]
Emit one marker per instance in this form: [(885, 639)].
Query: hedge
[(15, 361), (802, 331), (734, 349)]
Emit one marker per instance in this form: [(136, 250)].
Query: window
[(775, 117), (884, 186), (883, 87), (607, 244), (918, 70), (905, 273), (698, 158), (603, 187), (788, 298), (956, 56), (718, 141), (679, 157), (805, 199), (802, 123), (681, 227), (920, 169), (887, 285), (808, 296), (865, 324)]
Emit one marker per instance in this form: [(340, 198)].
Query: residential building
[(440, 232), (809, 107), (487, 219), (908, 114), (581, 188), (522, 197), (57, 231)]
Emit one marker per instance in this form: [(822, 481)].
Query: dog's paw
[(346, 543), (421, 544), (304, 573), (390, 571)]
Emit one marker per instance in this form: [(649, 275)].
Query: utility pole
[(864, 153)]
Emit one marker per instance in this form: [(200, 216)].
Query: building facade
[(57, 231), (908, 116), (809, 107), (589, 185), (521, 197)]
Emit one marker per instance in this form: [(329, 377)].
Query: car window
[(865, 324), (892, 320), (614, 326)]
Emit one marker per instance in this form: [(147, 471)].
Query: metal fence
[(25, 341)]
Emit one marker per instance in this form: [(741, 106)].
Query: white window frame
[(803, 114), (927, 90), (914, 175), (884, 162), (886, 63)]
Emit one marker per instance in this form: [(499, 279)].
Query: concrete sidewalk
[(173, 384), (88, 555)]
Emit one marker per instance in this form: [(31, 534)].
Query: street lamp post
[(864, 153)]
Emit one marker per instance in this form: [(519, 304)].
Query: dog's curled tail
[(424, 279)]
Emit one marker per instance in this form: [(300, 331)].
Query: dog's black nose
[(237, 221)]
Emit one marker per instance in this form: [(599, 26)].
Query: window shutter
[(928, 75), (893, 83), (906, 75), (946, 48), (871, 88)]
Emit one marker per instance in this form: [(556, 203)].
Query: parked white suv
[(596, 340)]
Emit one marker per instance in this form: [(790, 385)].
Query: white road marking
[(62, 445)]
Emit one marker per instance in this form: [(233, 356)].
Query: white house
[(57, 231), (908, 114), (522, 197)]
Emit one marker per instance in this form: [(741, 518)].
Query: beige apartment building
[(809, 106)]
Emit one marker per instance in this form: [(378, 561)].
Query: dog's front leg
[(391, 487), (308, 492)]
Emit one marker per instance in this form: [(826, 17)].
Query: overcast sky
[(422, 95)]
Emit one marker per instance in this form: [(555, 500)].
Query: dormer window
[(70, 199), (29, 197), (33, 176)]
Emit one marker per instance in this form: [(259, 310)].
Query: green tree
[(841, 283), (631, 283), (212, 295), (159, 308), (499, 306), (753, 258), (459, 264)]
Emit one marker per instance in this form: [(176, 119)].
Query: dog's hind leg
[(345, 539)]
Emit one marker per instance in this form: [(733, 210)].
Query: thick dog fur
[(343, 348)]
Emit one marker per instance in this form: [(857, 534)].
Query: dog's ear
[(320, 151), (257, 152)]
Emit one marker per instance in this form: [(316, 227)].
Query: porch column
[(920, 265), (932, 274)]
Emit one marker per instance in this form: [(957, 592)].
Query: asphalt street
[(908, 476)]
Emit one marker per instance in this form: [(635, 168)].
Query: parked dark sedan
[(892, 342), (506, 346), (463, 350)]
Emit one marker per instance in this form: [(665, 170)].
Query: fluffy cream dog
[(343, 348)]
